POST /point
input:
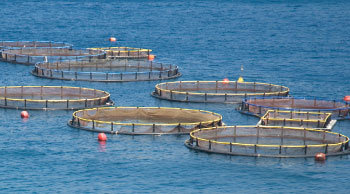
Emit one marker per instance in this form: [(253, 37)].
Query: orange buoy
[(225, 81), (112, 39), (24, 114), (320, 157), (347, 98), (151, 57), (102, 137)]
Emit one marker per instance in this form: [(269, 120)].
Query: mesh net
[(259, 106), (25, 44), (52, 97), (268, 141), (143, 120), (106, 70), (216, 91), (296, 119), (124, 52), (31, 56)]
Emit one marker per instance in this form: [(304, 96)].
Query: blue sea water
[(302, 44)]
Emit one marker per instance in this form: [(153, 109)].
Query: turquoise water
[(301, 44)]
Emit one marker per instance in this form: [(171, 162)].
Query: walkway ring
[(124, 52), (143, 120), (250, 141), (216, 91), (33, 44), (102, 70), (316, 120), (259, 105), (31, 56), (52, 97)]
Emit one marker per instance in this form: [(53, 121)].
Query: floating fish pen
[(268, 141), (124, 52), (30, 56), (216, 91), (259, 105), (143, 120), (106, 70), (318, 120), (52, 97), (34, 44)]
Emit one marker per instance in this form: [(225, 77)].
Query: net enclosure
[(268, 141), (143, 120), (30, 56), (35, 44), (259, 105), (216, 91), (106, 70), (124, 52), (52, 97), (319, 120)]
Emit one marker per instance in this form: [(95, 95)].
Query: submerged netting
[(52, 97), (259, 106), (143, 120), (296, 119), (106, 70), (125, 52), (26, 44), (268, 141), (216, 91), (31, 56)]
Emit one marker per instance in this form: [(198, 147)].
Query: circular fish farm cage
[(318, 120), (216, 91), (34, 44), (31, 56), (124, 52), (143, 120), (106, 70), (268, 141), (259, 106), (52, 97)]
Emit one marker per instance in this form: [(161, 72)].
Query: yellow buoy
[(240, 79)]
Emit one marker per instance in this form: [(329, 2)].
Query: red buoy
[(347, 98), (102, 137), (225, 81), (151, 57), (24, 114), (112, 39), (320, 157)]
